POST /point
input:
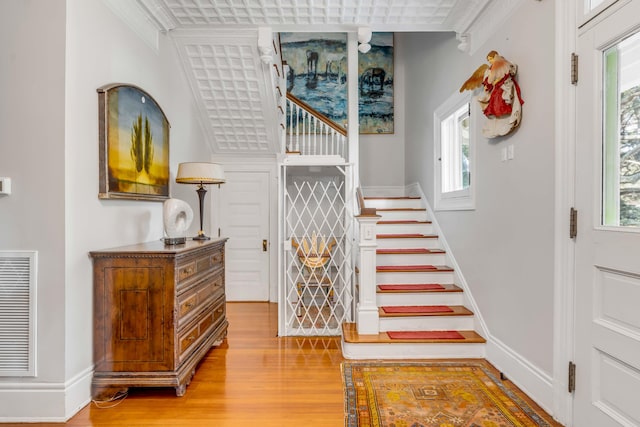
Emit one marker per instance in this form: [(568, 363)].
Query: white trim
[(43, 402), (489, 22), (535, 383), (462, 199), (564, 248), (132, 14)]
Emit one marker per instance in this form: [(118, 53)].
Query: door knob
[(264, 245)]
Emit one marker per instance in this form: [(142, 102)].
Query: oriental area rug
[(433, 394)]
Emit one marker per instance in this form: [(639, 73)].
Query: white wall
[(52, 131), (382, 156), (505, 246), (32, 153)]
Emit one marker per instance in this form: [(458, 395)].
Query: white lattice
[(318, 274)]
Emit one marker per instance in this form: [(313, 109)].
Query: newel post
[(367, 310)]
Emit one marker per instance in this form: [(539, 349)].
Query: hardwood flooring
[(253, 379)]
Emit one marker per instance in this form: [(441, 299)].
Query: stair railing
[(309, 132), (367, 318)]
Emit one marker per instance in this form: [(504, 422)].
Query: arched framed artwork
[(133, 145)]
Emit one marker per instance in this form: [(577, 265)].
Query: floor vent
[(17, 313)]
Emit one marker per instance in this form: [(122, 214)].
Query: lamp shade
[(200, 173)]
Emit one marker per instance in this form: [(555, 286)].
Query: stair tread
[(392, 198), (411, 287), (350, 335), (412, 268), (408, 251), (407, 236), (401, 209), (456, 310), (403, 221)]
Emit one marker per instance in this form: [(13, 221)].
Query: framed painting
[(318, 71), (134, 145), (375, 84)]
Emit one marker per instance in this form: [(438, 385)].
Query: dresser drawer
[(193, 269), (191, 301), (200, 329)]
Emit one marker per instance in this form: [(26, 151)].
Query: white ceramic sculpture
[(177, 216)]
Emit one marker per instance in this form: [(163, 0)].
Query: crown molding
[(488, 21), (137, 19)]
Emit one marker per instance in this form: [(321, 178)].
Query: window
[(621, 149), (454, 154)]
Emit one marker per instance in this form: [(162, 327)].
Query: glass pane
[(454, 150), (621, 150)]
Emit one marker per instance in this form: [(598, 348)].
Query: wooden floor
[(253, 379)]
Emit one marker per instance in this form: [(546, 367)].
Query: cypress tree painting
[(134, 145)]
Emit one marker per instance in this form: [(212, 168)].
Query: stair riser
[(405, 243), (411, 259), (444, 277), (426, 323), (393, 203), (404, 228), (419, 298), (413, 351), (403, 215)]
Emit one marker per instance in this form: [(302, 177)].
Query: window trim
[(461, 199)]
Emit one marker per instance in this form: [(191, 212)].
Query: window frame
[(461, 199)]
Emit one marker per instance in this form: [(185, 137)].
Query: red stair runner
[(417, 309), (410, 287), (425, 335), (400, 236)]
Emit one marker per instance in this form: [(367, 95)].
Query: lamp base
[(201, 236)]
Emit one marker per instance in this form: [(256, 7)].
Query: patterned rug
[(432, 394)]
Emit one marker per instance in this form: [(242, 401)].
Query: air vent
[(17, 313)]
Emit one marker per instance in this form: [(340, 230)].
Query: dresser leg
[(181, 390)]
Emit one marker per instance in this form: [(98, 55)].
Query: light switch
[(5, 185), (510, 153), (503, 154)]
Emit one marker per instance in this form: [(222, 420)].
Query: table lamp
[(200, 173)]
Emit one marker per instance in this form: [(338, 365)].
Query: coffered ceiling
[(217, 41)]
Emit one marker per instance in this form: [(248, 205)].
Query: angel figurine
[(500, 98)]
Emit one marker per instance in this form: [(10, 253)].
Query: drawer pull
[(190, 304), (191, 338), (187, 271)]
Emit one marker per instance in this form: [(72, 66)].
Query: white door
[(245, 221), (607, 300)]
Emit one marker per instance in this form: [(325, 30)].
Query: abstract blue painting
[(375, 84), (318, 71)]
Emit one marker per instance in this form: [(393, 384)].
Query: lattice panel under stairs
[(318, 274)]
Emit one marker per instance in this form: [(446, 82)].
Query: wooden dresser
[(157, 311)]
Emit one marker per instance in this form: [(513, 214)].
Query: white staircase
[(423, 313)]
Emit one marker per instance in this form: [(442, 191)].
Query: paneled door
[(245, 221), (607, 248)]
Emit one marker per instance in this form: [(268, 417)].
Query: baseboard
[(536, 384), (45, 402)]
